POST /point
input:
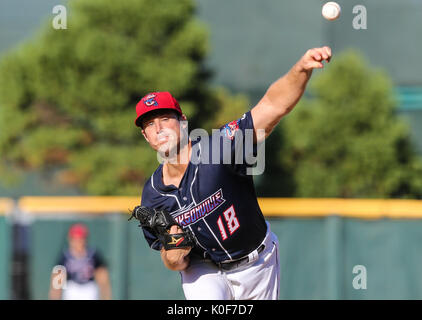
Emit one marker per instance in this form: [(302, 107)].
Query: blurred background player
[(87, 276)]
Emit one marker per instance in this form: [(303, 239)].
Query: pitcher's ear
[(144, 134)]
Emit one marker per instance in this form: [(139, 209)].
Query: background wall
[(317, 257), (5, 257), (6, 207), (319, 250), (254, 41)]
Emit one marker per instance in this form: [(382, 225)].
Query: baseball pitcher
[(199, 207)]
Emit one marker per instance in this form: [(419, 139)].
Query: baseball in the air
[(331, 10)]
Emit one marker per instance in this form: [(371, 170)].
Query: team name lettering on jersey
[(201, 210)]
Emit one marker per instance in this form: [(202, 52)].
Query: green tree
[(347, 140), (67, 97)]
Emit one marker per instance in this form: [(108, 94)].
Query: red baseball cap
[(155, 101), (78, 231)]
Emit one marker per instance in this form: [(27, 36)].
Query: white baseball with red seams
[(331, 10)]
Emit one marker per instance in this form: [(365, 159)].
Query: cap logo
[(150, 100)]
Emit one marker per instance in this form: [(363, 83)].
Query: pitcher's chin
[(168, 154)]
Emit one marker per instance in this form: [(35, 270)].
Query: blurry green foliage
[(67, 105), (347, 140), (67, 97)]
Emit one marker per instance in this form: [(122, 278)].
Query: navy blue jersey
[(217, 202), (81, 270)]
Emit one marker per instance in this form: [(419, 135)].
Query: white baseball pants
[(257, 280)]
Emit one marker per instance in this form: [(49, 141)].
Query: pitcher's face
[(161, 129)]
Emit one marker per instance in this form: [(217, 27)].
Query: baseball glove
[(160, 222)]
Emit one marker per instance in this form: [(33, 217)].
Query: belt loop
[(253, 255)]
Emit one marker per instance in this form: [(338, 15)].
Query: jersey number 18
[(231, 222)]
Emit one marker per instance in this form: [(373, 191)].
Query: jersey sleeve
[(98, 260), (236, 146)]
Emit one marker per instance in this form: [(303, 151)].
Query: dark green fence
[(5, 250), (5, 257), (317, 255)]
